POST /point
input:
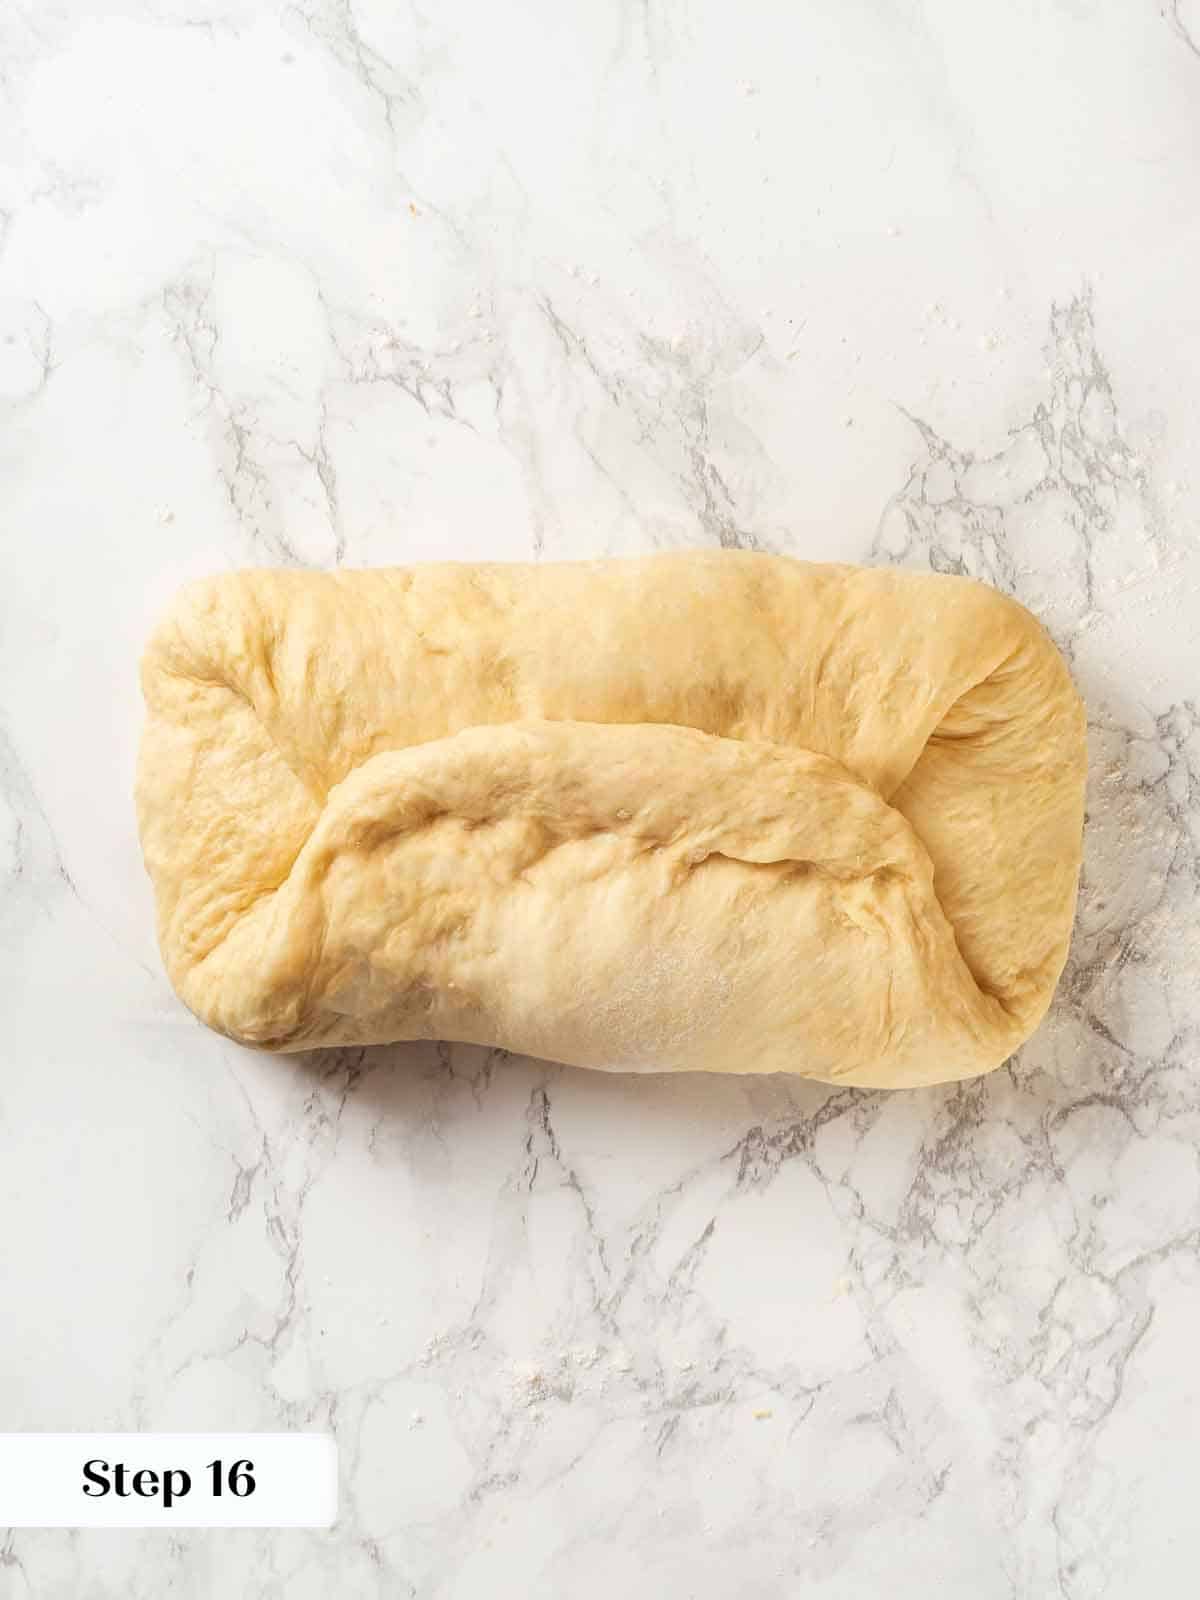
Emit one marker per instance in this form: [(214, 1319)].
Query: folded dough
[(708, 810)]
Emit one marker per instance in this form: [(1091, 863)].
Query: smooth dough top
[(707, 810)]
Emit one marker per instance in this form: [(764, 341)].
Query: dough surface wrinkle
[(700, 811)]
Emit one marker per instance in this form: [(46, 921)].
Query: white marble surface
[(885, 280)]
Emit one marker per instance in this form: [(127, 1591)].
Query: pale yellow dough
[(709, 810)]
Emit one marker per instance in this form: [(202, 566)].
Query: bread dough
[(708, 810)]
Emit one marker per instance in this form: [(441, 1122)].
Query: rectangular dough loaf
[(708, 810)]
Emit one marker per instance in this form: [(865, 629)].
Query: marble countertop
[(342, 281)]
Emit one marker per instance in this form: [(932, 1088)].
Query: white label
[(168, 1480)]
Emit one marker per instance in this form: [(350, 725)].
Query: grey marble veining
[(346, 282)]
